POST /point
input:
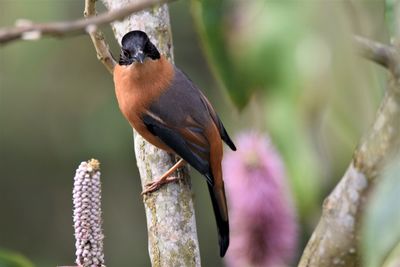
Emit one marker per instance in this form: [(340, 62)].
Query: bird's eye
[(126, 53), (147, 46)]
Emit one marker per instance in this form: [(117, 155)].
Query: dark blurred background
[(57, 108)]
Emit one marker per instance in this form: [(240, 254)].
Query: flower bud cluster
[(87, 215)]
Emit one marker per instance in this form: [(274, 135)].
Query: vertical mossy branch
[(335, 240), (170, 214)]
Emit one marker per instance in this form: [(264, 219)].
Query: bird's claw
[(153, 186)]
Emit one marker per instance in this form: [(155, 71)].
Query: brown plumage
[(164, 106)]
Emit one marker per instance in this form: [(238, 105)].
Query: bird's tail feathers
[(218, 200)]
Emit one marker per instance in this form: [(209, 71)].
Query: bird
[(165, 107)]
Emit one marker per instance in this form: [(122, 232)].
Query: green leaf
[(209, 16), (246, 62), (381, 228), (13, 259)]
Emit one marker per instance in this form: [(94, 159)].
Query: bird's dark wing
[(191, 101), (218, 122), (180, 117), (187, 142)]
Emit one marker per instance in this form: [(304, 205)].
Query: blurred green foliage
[(380, 241), (13, 259), (303, 74)]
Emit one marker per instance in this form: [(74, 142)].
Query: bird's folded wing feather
[(218, 122), (180, 118), (188, 142)]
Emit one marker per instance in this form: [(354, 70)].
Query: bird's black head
[(136, 47)]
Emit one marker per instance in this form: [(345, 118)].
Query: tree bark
[(170, 213)]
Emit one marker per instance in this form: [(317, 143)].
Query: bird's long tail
[(221, 215)]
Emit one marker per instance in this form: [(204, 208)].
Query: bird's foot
[(153, 186)]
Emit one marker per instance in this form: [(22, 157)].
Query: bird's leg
[(154, 185)]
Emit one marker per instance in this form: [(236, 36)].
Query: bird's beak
[(139, 56)]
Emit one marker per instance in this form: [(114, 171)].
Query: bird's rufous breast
[(137, 86)]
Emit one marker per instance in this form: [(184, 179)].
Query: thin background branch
[(102, 48), (28, 30), (382, 54)]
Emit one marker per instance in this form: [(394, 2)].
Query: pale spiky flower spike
[(87, 215)]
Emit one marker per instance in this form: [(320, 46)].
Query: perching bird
[(170, 112)]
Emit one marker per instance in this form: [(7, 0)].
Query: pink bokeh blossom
[(262, 219)]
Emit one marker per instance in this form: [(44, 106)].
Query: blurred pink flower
[(262, 219)]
